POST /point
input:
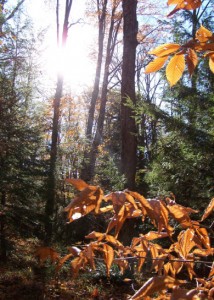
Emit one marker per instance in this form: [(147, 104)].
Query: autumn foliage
[(188, 239), (188, 248), (186, 55)]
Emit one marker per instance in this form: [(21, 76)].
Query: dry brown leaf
[(181, 215), (79, 184), (145, 205), (161, 214), (208, 210), (44, 253), (108, 257), (204, 252), (186, 242), (95, 235), (89, 199), (175, 68), (89, 254), (63, 260), (155, 284), (152, 235), (122, 264), (78, 263), (202, 238)]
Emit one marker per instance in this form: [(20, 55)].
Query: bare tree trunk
[(113, 31), (128, 128), (86, 170), (51, 189)]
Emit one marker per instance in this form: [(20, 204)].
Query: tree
[(51, 185), (86, 172), (128, 127), (111, 43), (187, 131), (21, 165), (7, 15)]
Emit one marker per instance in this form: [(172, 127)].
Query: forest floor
[(22, 278)]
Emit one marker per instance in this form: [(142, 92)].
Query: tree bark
[(128, 127)]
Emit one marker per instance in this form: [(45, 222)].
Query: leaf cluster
[(186, 54), (192, 243)]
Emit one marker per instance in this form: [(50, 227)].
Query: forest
[(106, 149)]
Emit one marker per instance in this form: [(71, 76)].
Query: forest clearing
[(106, 149)]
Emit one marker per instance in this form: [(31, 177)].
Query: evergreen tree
[(184, 161), (21, 167)]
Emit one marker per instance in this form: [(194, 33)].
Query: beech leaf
[(44, 253), (108, 256), (165, 49), (79, 184), (208, 210), (183, 4), (203, 34), (156, 64), (175, 68), (155, 284), (192, 61), (211, 62)]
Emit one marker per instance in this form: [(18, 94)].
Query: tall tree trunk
[(113, 31), (128, 127), (86, 171), (51, 189)]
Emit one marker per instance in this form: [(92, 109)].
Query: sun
[(73, 62)]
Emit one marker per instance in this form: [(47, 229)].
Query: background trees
[(130, 129), (21, 152), (187, 131)]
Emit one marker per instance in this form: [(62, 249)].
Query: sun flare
[(72, 62)]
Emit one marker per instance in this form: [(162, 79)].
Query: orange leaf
[(79, 184), (165, 49), (181, 215), (203, 237), (44, 253), (155, 284), (77, 263), (203, 34), (89, 199), (95, 235), (63, 260), (183, 4), (208, 210), (186, 242), (156, 64), (211, 62), (175, 68), (108, 256), (192, 61), (95, 293), (152, 235)]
